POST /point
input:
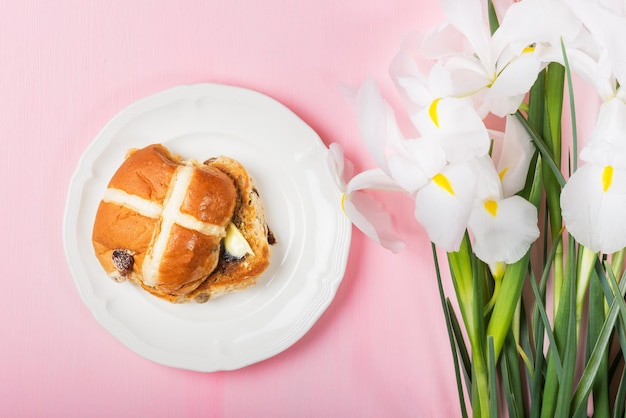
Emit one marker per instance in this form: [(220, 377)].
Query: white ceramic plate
[(288, 161)]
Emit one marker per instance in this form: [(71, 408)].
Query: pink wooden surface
[(65, 69)]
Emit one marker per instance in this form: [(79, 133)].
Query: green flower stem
[(617, 262), (554, 89), (467, 282), (511, 372), (516, 326), (494, 296), (558, 385), (506, 303), (569, 347), (557, 266), (597, 317), (450, 328), (550, 385), (460, 263), (586, 266), (480, 385), (544, 116), (585, 384)]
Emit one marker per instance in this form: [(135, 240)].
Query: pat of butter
[(235, 243)]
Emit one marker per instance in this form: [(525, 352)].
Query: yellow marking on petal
[(502, 173), (432, 112), (607, 177), (443, 182), (528, 49), (343, 203), (491, 206)]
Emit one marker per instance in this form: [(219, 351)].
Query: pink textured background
[(65, 69)]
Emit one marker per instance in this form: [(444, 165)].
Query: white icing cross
[(170, 215)]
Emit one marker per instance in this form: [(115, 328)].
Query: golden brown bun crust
[(211, 196), (146, 173), (189, 255), (130, 231), (189, 258), (249, 217)]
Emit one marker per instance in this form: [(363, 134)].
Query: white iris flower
[(503, 228), (594, 199), (605, 20), (495, 75), (365, 212), (513, 152), (444, 205), (430, 167), (450, 174)]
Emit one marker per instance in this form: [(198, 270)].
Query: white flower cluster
[(456, 75)]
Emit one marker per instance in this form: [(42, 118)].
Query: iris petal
[(372, 119), (467, 17), (443, 214), (609, 28), (409, 175), (341, 168), (503, 230), (607, 144), (593, 216), (509, 88), (368, 215), (374, 179), (461, 131), (517, 151)]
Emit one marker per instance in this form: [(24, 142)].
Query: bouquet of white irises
[(478, 194)]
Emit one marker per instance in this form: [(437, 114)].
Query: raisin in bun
[(163, 224)]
